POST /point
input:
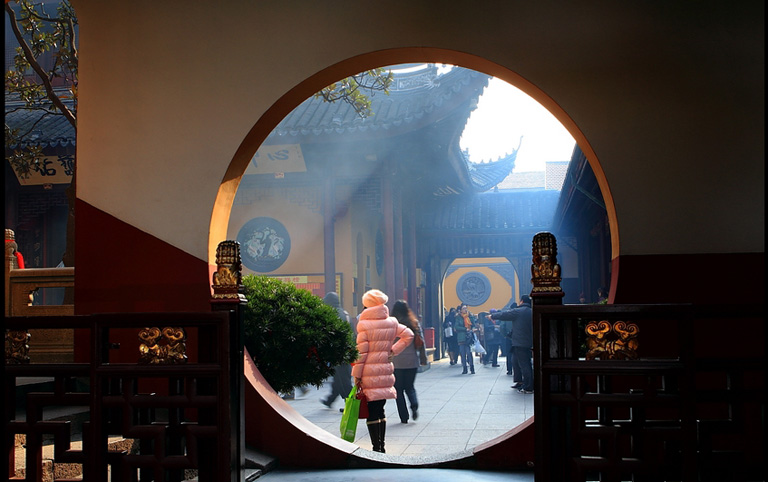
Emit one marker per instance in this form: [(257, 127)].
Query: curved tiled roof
[(48, 130), (434, 108), (415, 99)]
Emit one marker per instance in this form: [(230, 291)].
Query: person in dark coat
[(465, 329), (342, 374), (450, 336), (521, 338), (492, 331), (407, 362), (506, 347)]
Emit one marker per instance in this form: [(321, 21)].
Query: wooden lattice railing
[(26, 291), (182, 415), (686, 402)]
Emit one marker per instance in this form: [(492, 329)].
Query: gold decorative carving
[(545, 272), (16, 347), (227, 279), (153, 351), (617, 341)]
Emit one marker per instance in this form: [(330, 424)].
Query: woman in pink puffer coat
[(373, 370)]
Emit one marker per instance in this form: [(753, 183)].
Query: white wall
[(670, 101)]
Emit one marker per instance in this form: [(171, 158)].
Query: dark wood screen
[(178, 415), (690, 407)]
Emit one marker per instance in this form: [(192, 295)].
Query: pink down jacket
[(376, 333)]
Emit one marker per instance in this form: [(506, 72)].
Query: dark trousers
[(517, 371), (493, 353), (466, 356), (453, 348), (525, 366), (506, 349), (376, 410), (341, 385), (404, 379)]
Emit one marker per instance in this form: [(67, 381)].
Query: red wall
[(689, 278), (121, 268)]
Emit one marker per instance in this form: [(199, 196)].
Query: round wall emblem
[(265, 244), (473, 288)]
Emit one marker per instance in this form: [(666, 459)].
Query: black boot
[(375, 430), (382, 432)]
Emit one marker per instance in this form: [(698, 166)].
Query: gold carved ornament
[(16, 347), (228, 276), (545, 272), (617, 341), (153, 351)]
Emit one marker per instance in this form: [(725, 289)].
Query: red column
[(397, 222), (389, 239), (329, 240)]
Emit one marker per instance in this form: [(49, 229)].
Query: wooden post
[(227, 296)]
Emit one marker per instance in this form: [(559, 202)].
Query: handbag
[(423, 360), (477, 347), (348, 425), (363, 412)]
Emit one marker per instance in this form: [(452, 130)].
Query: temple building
[(333, 201)]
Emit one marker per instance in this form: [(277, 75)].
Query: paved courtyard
[(456, 412)]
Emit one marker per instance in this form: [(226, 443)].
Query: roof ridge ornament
[(402, 82)]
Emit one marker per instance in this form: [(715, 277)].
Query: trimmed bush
[(294, 338)]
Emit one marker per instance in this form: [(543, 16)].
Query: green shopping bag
[(348, 424)]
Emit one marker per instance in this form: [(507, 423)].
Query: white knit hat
[(373, 298)]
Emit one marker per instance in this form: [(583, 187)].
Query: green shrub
[(294, 338)]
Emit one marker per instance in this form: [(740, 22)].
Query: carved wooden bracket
[(617, 341), (16, 347), (162, 347)]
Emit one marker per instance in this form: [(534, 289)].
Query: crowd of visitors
[(506, 332), (392, 348)]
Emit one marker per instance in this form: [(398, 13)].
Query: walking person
[(450, 336), (342, 374), (373, 370), (506, 345), (493, 337), (464, 327), (521, 319), (407, 362)]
